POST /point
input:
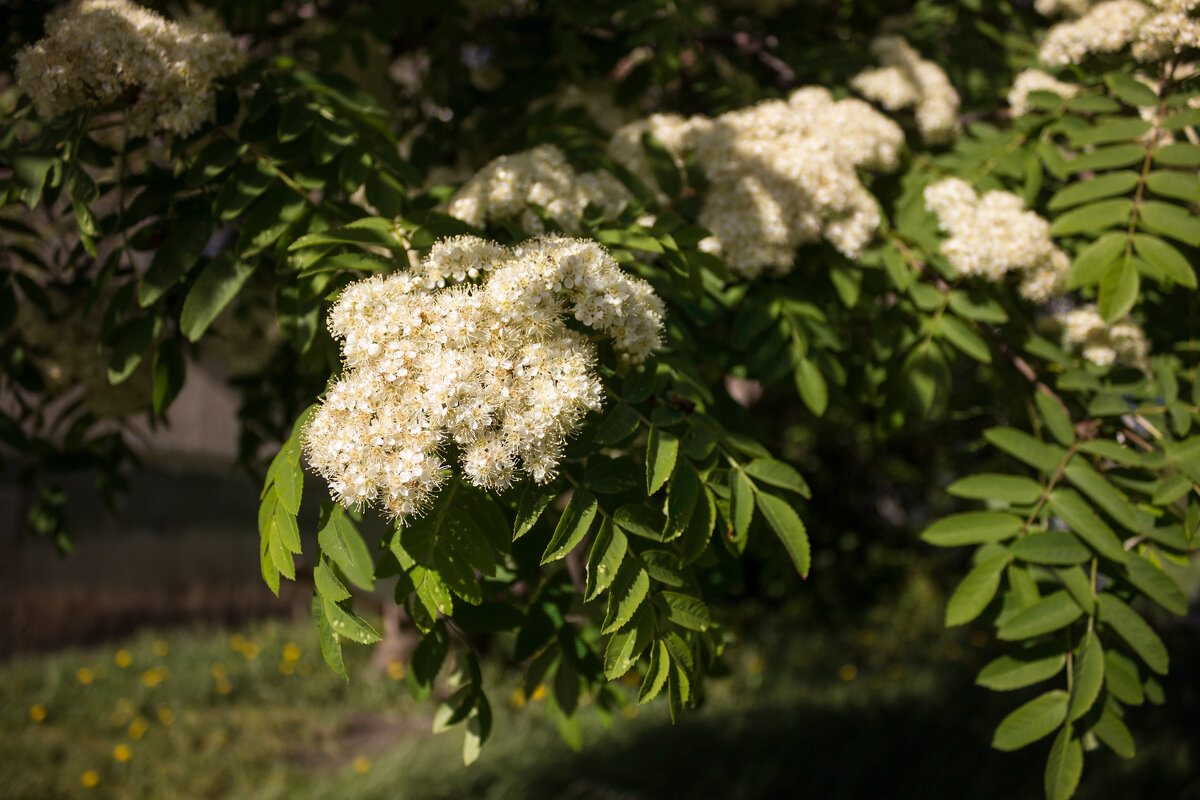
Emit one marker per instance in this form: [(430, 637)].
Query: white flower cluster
[(993, 235), (907, 80), (1155, 33), (98, 51), (1123, 342), (1034, 80), (780, 174), (507, 185), (491, 367), (1168, 31)]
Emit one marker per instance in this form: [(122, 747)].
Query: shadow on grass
[(929, 746)]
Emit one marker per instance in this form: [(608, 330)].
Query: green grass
[(885, 710)]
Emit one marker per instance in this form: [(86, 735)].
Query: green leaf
[(621, 422), (639, 520), (369, 231), (1112, 451), (1095, 260), (656, 675), (1106, 158), (287, 478), (608, 551), (1124, 129), (1056, 419), (348, 625), (777, 473), (331, 646), (788, 527), (1103, 493), (1179, 154), (741, 506), (687, 611), (959, 334), (694, 541), (662, 164), (1176, 185), (1121, 678), (328, 586), (170, 371), (1130, 90), (338, 539), (979, 309), (178, 253), (216, 157), (1171, 489), (682, 495), (1171, 220), (810, 383), (132, 343), (1112, 730), (1064, 766), (1156, 584), (1097, 188), (1135, 631), (1025, 668), (976, 590), (428, 657), (241, 188), (1022, 446), (1089, 676), (1078, 586), (625, 596), (1093, 217), (972, 527), (268, 217), (1051, 613), (572, 526), (1162, 255), (996, 486), (1051, 547), (219, 282), (662, 448), (534, 500), (1032, 721), (1118, 289), (1080, 518)]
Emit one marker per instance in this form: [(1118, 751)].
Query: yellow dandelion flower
[(154, 676), (237, 641), (362, 765), (287, 667), (250, 651), (395, 670), (37, 712), (84, 675), (165, 715), (847, 672), (224, 686), (218, 670), (122, 753), (161, 648), (89, 779), (291, 652), (518, 698), (123, 658), (539, 692), (138, 728)]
